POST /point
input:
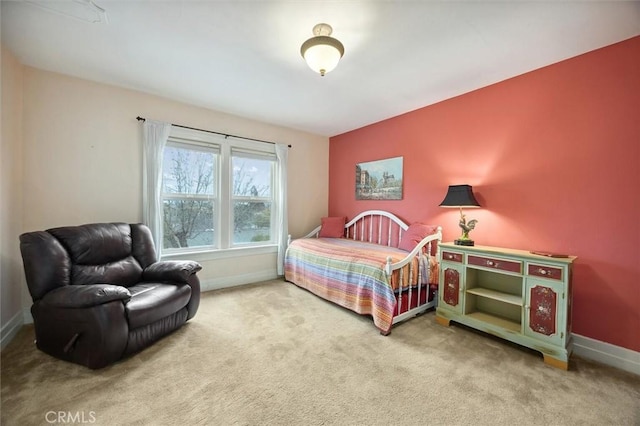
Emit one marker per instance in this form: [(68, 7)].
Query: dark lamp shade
[(459, 196)]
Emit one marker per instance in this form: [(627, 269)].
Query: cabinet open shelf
[(497, 321), (497, 295)]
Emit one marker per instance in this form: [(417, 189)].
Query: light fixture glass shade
[(322, 53)]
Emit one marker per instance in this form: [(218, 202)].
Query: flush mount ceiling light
[(322, 52)]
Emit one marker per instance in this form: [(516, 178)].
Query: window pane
[(188, 171), (251, 221), (188, 223), (251, 177)]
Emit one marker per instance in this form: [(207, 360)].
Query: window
[(189, 182), (217, 193), (252, 199)]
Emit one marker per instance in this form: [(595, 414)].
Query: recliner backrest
[(107, 253), (100, 253)]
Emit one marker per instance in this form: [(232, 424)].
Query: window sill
[(204, 255)]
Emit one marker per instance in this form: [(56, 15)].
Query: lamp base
[(464, 242)]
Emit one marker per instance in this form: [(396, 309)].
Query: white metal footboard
[(424, 248)]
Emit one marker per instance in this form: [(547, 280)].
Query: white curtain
[(155, 135), (282, 153)]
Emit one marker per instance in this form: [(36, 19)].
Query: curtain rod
[(216, 133)]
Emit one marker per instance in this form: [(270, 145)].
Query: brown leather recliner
[(99, 293)]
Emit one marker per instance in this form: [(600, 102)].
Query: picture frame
[(379, 179)]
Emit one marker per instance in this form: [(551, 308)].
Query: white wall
[(11, 275), (83, 161)]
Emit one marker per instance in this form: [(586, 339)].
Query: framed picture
[(379, 180)]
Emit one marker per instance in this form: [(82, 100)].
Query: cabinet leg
[(442, 321), (555, 362)]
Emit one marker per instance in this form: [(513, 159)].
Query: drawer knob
[(492, 263), (449, 256), (544, 272)]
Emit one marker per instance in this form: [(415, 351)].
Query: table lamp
[(462, 196)]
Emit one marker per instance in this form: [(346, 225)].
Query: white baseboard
[(237, 280), (606, 353), (10, 329)]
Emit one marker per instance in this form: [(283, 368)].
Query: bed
[(374, 264)]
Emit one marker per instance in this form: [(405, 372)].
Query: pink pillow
[(414, 234), (332, 227)]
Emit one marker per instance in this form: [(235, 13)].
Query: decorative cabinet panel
[(451, 288), (513, 294), (544, 313)]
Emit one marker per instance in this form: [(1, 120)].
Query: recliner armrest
[(85, 296), (171, 270)]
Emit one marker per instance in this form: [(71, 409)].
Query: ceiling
[(243, 57)]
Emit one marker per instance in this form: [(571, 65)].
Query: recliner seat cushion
[(151, 302)]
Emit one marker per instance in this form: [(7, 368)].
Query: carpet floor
[(274, 354)]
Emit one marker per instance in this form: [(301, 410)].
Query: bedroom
[(539, 191)]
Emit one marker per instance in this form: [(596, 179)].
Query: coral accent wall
[(554, 159)]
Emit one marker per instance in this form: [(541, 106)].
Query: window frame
[(223, 193)]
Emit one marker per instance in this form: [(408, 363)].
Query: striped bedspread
[(349, 273)]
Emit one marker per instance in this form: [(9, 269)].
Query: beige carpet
[(273, 354)]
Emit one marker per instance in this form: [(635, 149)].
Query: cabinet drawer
[(502, 264), (545, 271), (452, 257)]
